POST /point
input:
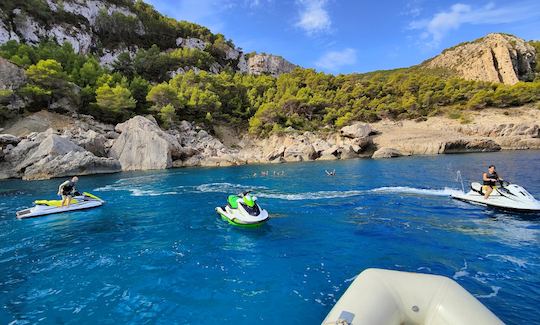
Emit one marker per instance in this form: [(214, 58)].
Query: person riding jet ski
[(67, 190), (498, 193), (490, 179)]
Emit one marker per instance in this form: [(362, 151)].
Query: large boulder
[(6, 139), (142, 145), (386, 152), (93, 142), (357, 130), (52, 145), (46, 155), (72, 163)]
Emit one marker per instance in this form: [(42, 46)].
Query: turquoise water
[(157, 253)]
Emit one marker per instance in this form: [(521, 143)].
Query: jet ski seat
[(477, 187), (53, 203), (233, 201)]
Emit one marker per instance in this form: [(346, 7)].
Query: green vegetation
[(536, 45), (303, 99)]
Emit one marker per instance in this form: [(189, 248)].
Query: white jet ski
[(506, 196), (46, 207), (385, 297), (243, 210)]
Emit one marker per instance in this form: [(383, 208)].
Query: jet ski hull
[(40, 210), (236, 219), (511, 198)]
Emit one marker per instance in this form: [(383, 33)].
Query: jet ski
[(46, 207), (506, 196), (243, 210)]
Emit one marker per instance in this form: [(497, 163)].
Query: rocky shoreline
[(46, 145)]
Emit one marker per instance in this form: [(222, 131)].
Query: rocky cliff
[(496, 58), (108, 28), (265, 64), (59, 146)]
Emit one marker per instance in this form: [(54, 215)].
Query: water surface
[(157, 253)]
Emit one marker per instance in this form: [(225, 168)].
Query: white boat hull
[(512, 197), (384, 297), (241, 217), (43, 210)]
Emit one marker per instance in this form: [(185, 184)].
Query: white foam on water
[(462, 272), (492, 294), (108, 188), (418, 191), (320, 195), (225, 188), (139, 192), (512, 259), (134, 191)]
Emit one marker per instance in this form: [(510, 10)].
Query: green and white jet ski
[(243, 210), (46, 207)]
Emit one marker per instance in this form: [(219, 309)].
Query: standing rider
[(490, 181), (67, 189)]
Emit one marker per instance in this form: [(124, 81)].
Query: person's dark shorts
[(67, 193)]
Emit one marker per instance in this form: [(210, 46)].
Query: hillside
[(495, 58), (116, 59), (108, 28)]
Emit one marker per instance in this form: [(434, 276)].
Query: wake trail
[(418, 191)]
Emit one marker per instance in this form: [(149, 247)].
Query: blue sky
[(344, 36)]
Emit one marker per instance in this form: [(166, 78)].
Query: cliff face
[(108, 28), (495, 58), (265, 63)]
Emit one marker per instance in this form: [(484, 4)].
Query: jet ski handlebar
[(504, 183)]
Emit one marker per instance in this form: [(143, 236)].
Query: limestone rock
[(51, 145), (110, 56), (11, 76), (267, 64), (495, 58), (94, 142), (79, 37), (386, 152), (47, 154), (503, 130), (8, 139), (191, 43), (142, 145), (347, 152), (474, 145), (90, 9), (357, 130), (72, 163), (325, 156)]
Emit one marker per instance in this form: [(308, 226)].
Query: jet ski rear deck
[(507, 197)]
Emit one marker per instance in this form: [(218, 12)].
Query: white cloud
[(434, 29), (334, 60), (412, 8), (313, 16)]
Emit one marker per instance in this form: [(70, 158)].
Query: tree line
[(303, 99)]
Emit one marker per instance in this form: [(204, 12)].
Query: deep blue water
[(157, 253)]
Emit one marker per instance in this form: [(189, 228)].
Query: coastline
[(47, 145)]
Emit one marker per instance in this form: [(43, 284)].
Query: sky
[(346, 36)]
